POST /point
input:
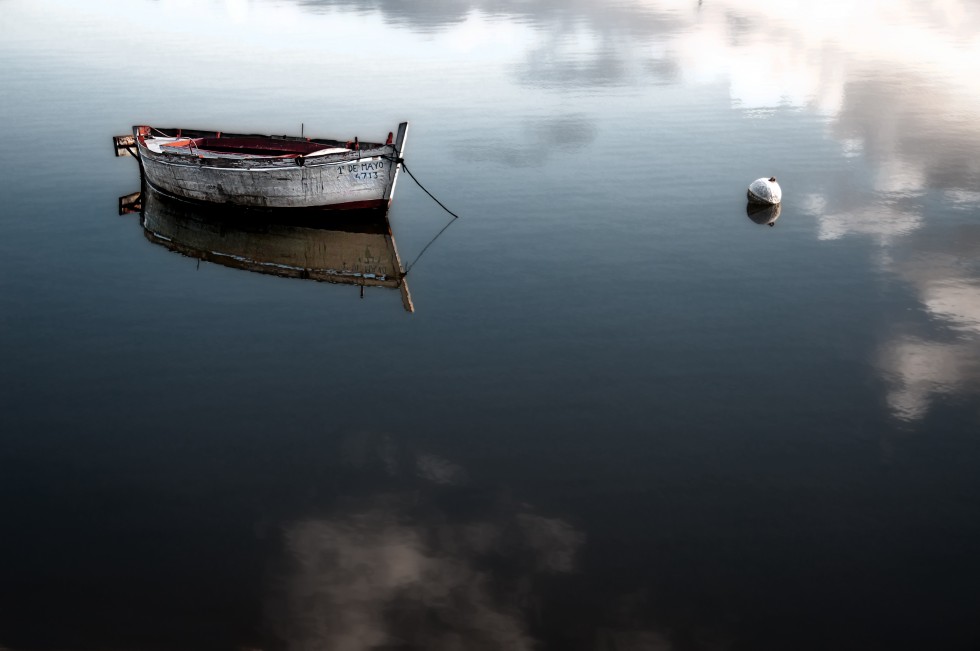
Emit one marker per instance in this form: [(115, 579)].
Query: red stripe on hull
[(374, 204)]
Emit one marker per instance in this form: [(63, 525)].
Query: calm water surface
[(623, 415)]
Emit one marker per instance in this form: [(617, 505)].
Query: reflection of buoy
[(763, 213), (765, 191)]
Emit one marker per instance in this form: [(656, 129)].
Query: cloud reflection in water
[(393, 569), (921, 371)]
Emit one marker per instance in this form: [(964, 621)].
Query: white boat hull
[(356, 184), (347, 179)]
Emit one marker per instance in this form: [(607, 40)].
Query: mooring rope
[(409, 172)]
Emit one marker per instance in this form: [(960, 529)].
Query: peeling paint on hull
[(349, 178)]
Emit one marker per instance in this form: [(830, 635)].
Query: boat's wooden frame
[(262, 171)]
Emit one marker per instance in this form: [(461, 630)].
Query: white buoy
[(765, 191)]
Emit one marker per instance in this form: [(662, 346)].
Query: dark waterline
[(625, 414)]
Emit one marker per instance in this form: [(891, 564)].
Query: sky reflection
[(392, 567), (893, 85), (680, 399)]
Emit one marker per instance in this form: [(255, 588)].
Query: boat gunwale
[(258, 163), (230, 160)]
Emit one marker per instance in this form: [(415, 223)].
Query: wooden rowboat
[(267, 171)]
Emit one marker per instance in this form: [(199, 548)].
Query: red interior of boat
[(253, 146)]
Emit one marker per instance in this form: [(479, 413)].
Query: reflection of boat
[(267, 171), (350, 247), (762, 213)]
